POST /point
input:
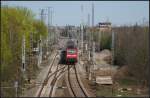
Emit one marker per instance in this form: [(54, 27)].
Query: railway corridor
[(74, 85), (54, 72), (58, 76)]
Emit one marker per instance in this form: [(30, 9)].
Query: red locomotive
[(71, 55), (71, 52)]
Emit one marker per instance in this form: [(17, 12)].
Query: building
[(104, 26)]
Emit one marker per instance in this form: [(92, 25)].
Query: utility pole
[(92, 39), (99, 41), (23, 53), (88, 40), (93, 52), (23, 68), (49, 40), (30, 53), (82, 24), (56, 34), (89, 20), (92, 14), (40, 52), (93, 46), (112, 48), (53, 33), (42, 15), (49, 35), (48, 29), (16, 88), (93, 30)]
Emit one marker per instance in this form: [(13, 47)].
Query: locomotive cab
[(71, 57)]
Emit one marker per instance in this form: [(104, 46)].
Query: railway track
[(74, 84), (53, 76), (45, 80), (58, 73), (48, 86)]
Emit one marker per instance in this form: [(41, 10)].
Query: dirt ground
[(119, 88)]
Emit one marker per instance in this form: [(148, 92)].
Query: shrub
[(16, 22), (131, 49)]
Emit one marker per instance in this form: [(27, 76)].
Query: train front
[(71, 57)]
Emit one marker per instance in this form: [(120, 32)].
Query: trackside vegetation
[(16, 22)]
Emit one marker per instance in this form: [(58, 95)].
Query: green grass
[(110, 91), (104, 91), (107, 91), (100, 61), (127, 82)]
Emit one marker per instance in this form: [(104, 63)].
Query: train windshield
[(71, 51)]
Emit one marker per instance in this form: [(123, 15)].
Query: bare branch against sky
[(68, 12)]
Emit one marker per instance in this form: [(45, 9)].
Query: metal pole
[(56, 36), (93, 52), (82, 23), (113, 44), (16, 88), (51, 26), (49, 23), (99, 37), (93, 44), (92, 39), (89, 20), (92, 14), (42, 13), (40, 48), (40, 51), (23, 54), (38, 57)]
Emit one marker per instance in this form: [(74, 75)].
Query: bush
[(131, 49), (105, 40), (102, 40), (16, 22)]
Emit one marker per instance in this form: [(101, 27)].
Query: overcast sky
[(69, 12)]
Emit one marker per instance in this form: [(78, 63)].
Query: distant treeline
[(16, 22), (132, 50)]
